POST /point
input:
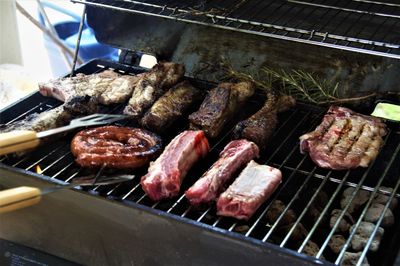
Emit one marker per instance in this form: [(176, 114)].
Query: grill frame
[(138, 207)]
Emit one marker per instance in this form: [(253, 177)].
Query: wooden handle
[(18, 140), (18, 198)]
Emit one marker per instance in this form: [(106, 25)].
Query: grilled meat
[(260, 126), (53, 118), (108, 87), (254, 185), (171, 106), (344, 139), (234, 156), (165, 175), (220, 106), (152, 85), (115, 147)]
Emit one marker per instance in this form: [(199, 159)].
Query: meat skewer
[(260, 126), (344, 139), (152, 85), (253, 187), (220, 106), (234, 156), (171, 106), (165, 175)]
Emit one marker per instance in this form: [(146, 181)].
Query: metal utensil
[(20, 140), (21, 197)]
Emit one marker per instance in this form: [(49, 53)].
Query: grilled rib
[(344, 139)]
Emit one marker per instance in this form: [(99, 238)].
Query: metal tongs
[(21, 197), (20, 140)]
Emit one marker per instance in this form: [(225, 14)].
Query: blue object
[(67, 31)]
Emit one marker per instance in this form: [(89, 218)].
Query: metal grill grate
[(302, 184), (358, 25)]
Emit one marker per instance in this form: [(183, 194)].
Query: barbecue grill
[(351, 41)]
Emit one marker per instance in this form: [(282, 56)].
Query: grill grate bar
[(309, 35), (372, 196), (306, 208), (29, 111), (377, 3), (62, 170), (273, 227), (352, 197), (46, 156), (344, 9), (321, 216), (378, 223)]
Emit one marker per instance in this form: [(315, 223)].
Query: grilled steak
[(220, 106), (234, 156), (152, 85), (254, 185), (108, 87), (344, 139), (260, 126), (165, 175), (171, 106)]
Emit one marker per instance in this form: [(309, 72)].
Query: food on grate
[(254, 185), (165, 175), (107, 87), (171, 106), (152, 85), (115, 147), (351, 259), (361, 197), (345, 223), (336, 243), (344, 140), (375, 211), (220, 106), (234, 156), (260, 126), (59, 116), (362, 234)]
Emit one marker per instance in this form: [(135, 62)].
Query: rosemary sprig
[(297, 83)]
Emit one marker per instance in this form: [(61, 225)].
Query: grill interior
[(356, 25), (302, 184)]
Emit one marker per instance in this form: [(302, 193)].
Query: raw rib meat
[(165, 175), (252, 188), (234, 156), (344, 139), (107, 87)]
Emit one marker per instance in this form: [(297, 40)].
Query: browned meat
[(260, 126), (254, 185), (165, 175), (220, 106), (152, 85), (234, 156), (108, 87), (115, 147), (344, 139), (171, 106)]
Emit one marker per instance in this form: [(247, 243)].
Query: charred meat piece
[(234, 156), (115, 147), (171, 106), (165, 175), (220, 106), (344, 140), (254, 185), (152, 85), (108, 86), (260, 126), (59, 116)]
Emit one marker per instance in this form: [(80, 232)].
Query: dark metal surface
[(103, 209)]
